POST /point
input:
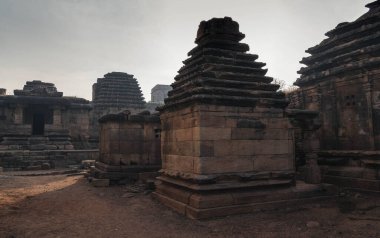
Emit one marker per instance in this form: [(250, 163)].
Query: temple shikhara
[(227, 142), (222, 139), (341, 81), (115, 92)]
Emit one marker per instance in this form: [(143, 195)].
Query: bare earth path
[(62, 206)]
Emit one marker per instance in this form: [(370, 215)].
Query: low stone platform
[(353, 169), (131, 172), (14, 160), (208, 203)]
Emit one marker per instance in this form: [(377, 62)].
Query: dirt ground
[(68, 206)]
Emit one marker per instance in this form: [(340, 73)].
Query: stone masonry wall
[(220, 140)]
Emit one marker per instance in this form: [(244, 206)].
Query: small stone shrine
[(341, 81), (226, 142), (129, 146)]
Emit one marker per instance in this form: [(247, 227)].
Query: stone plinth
[(226, 142), (129, 145), (351, 168)]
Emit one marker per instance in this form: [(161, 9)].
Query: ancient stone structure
[(39, 118), (305, 123), (226, 142), (342, 82), (129, 145), (115, 92)]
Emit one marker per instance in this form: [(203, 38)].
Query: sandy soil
[(67, 206)]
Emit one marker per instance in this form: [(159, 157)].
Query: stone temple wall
[(341, 81), (39, 118), (224, 140), (129, 145)]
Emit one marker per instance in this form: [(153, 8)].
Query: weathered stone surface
[(100, 182), (209, 205), (39, 118), (130, 143), (223, 127), (341, 81)]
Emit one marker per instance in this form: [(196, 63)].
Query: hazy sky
[(71, 43)]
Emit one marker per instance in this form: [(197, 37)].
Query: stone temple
[(40, 118), (341, 81), (116, 92), (227, 144)]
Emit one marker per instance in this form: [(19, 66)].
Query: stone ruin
[(341, 82), (227, 144), (226, 140), (38, 125), (129, 147)]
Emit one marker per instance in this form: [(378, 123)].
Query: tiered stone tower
[(225, 140), (340, 76), (115, 92), (341, 81)]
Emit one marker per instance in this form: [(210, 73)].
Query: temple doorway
[(38, 125)]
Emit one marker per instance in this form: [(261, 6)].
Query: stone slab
[(100, 182), (209, 205), (350, 182)]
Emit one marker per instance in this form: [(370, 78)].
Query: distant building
[(3, 91), (159, 93)]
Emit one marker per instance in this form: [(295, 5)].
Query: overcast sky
[(71, 43)]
